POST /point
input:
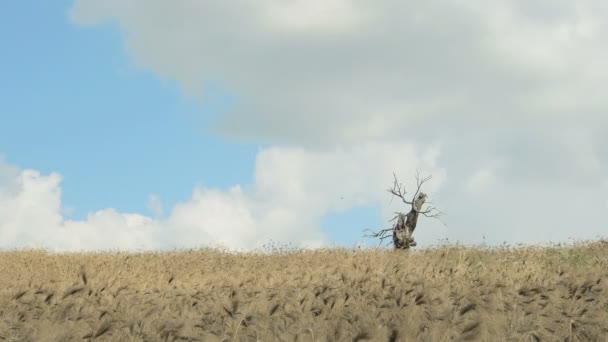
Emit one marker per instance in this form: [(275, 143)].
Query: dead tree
[(403, 229)]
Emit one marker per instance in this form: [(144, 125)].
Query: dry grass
[(445, 294)]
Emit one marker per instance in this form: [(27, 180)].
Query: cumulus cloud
[(519, 212), (519, 81), (155, 205), (293, 189), (484, 178), (344, 70)]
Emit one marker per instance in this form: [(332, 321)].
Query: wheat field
[(448, 293)]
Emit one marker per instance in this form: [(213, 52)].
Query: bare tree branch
[(403, 229), (433, 213), (396, 216), (430, 210), (419, 184), (382, 234), (397, 191)]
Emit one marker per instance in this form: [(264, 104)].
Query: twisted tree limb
[(403, 229)]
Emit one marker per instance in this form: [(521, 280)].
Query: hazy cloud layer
[(293, 190), (343, 70), (514, 91)]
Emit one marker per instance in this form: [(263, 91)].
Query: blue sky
[(74, 103), (266, 120)]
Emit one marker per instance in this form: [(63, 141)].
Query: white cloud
[(525, 213), (340, 71), (304, 16), (518, 81), (605, 185), (294, 188), (155, 205), (481, 180), (486, 177)]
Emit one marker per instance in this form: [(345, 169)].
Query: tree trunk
[(403, 229), (406, 224)]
